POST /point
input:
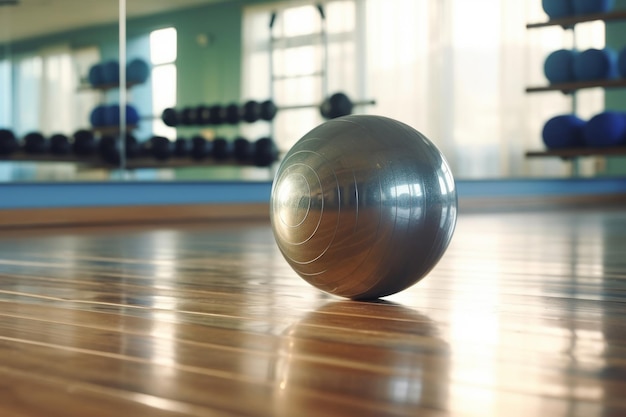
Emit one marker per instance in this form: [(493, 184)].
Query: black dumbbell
[(251, 111), (200, 147), (35, 143), (110, 149), (268, 110), (217, 114), (232, 114), (337, 105), (182, 148), (204, 115), (242, 150), (84, 143), (265, 152), (170, 117), (222, 149), (8, 142), (60, 144), (189, 116), (159, 147), (132, 147)]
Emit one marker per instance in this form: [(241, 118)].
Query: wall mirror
[(198, 72)]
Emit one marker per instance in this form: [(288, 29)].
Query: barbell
[(336, 105)]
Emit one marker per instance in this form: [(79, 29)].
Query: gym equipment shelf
[(571, 153), (143, 162), (112, 130), (567, 88), (568, 22), (105, 87)]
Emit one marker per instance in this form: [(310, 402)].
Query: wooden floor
[(524, 316)]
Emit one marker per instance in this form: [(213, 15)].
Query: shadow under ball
[(363, 206)]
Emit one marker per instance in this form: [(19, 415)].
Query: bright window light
[(164, 77), (163, 46), (163, 96)]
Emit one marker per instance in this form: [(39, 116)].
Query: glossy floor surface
[(524, 316)]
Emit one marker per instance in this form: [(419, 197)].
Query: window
[(455, 70), (46, 95), (5, 98), (313, 54), (40, 92), (163, 53)]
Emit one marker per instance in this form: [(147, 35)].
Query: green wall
[(615, 99), (208, 73), (105, 37)]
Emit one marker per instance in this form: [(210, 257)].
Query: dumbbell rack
[(103, 88), (571, 154), (141, 162)]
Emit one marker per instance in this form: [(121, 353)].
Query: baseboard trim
[(560, 202), (77, 216), (87, 216)]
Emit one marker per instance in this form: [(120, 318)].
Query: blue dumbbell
[(95, 76), (559, 66), (111, 72), (596, 64), (607, 128), (582, 7), (558, 8), (621, 63), (137, 71), (98, 116), (563, 131)]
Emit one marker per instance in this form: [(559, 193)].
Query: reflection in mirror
[(423, 63), (194, 54), (60, 95), (48, 51)]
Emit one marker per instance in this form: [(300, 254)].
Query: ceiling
[(33, 18)]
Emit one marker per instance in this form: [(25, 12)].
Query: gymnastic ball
[(363, 206)]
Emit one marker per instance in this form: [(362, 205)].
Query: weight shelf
[(570, 21), (105, 87), (111, 130), (567, 88), (569, 153), (143, 162)]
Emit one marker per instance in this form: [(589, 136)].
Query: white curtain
[(5, 97), (456, 70), (296, 74), (47, 96)]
